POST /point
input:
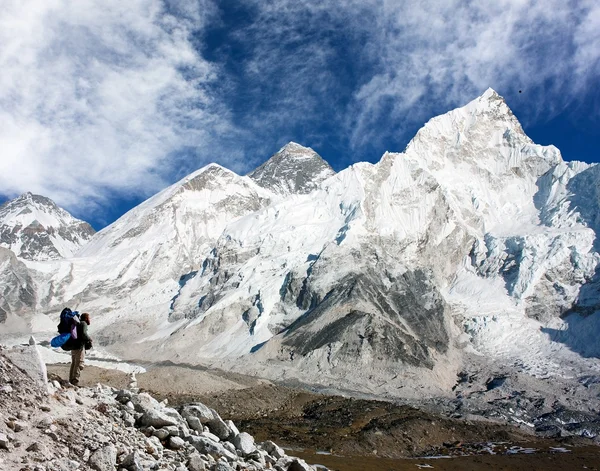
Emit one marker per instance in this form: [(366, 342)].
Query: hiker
[(78, 346)]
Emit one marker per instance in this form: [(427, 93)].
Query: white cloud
[(446, 52), (96, 96), (102, 96), (426, 56)]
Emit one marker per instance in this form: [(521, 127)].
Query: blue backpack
[(67, 318), (66, 327)]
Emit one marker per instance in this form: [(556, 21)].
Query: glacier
[(471, 254)]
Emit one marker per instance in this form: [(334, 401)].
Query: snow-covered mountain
[(293, 169), (474, 246), (35, 228), (17, 290)]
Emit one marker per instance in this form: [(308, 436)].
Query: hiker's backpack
[(67, 319), (60, 340)]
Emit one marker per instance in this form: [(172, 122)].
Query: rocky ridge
[(35, 228), (294, 169), (473, 253), (55, 427)]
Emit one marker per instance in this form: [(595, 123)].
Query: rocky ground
[(57, 427), (356, 434)]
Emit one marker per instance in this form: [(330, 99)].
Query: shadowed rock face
[(17, 289), (294, 169), (36, 241), (403, 322)]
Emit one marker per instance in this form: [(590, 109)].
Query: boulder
[(104, 459), (232, 427), (28, 359), (272, 449), (195, 462), (244, 442), (222, 466), (208, 447), (176, 443), (206, 416), (132, 462), (157, 418)]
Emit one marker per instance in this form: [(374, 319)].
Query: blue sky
[(103, 104)]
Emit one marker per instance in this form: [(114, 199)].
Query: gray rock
[(29, 359), (104, 459), (195, 462), (272, 449), (208, 447), (4, 442), (210, 436), (244, 442), (132, 462), (157, 418), (161, 433), (232, 427), (222, 466), (176, 443)]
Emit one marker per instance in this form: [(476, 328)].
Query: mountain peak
[(294, 169), (490, 93), (295, 147), (35, 228)]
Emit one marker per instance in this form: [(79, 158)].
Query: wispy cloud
[(97, 97), (119, 98), (412, 59)]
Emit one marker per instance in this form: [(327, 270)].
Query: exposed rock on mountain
[(35, 228), (294, 169), (384, 278), (17, 291)]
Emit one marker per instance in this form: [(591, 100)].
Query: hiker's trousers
[(77, 357)]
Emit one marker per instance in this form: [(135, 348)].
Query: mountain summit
[(472, 254), (294, 169), (35, 228)]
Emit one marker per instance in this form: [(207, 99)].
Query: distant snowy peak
[(294, 169), (35, 228)]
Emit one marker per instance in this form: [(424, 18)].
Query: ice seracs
[(385, 278)]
